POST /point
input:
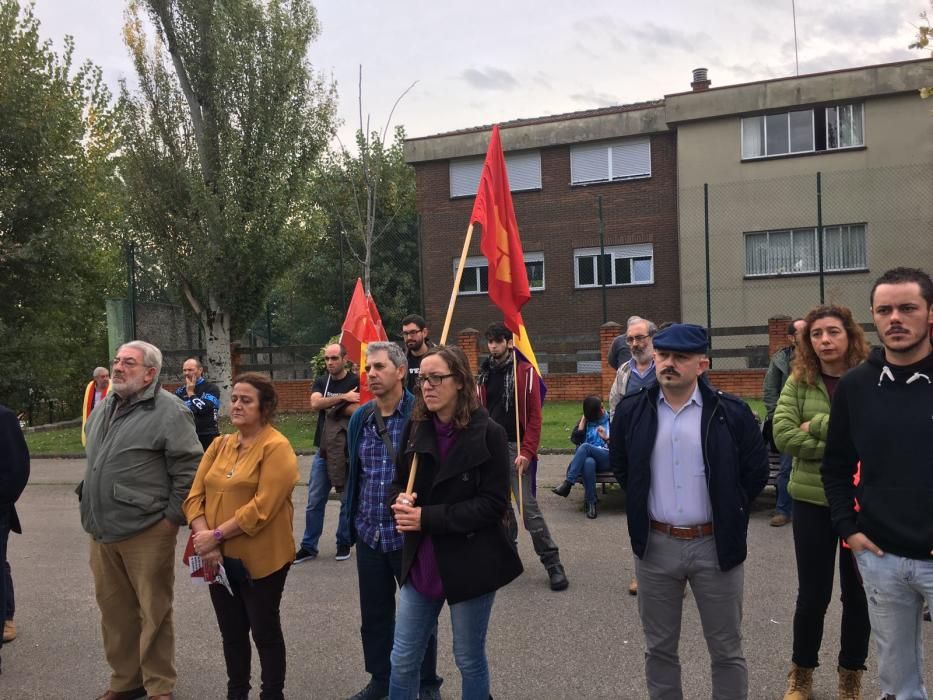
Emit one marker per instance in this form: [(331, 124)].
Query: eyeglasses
[(129, 362), (410, 333), (332, 358), (632, 339), (433, 379)]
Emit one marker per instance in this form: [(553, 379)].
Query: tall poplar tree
[(221, 139)]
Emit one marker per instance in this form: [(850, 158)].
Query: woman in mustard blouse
[(240, 510)]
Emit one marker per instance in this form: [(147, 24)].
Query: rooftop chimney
[(700, 80)]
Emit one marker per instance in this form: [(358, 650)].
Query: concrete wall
[(885, 185)]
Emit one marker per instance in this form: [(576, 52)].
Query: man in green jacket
[(142, 454), (776, 377)]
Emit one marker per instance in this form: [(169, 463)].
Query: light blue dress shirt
[(679, 495)]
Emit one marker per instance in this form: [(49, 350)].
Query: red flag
[(500, 243), (362, 326), (508, 279)]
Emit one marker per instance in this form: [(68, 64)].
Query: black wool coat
[(463, 506)]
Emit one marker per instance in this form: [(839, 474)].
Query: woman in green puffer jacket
[(830, 344)]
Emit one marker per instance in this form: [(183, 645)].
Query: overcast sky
[(495, 60)]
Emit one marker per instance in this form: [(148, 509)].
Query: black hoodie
[(882, 416)]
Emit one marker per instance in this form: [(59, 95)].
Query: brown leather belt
[(683, 533)]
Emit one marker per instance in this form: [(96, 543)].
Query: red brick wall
[(572, 387), (607, 333), (777, 333), (555, 220), (742, 382), (294, 394)]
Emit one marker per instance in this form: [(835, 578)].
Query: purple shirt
[(425, 576)]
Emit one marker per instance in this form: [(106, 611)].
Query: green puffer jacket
[(799, 403)]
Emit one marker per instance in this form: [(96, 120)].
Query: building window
[(604, 162), (475, 278), (617, 266), (794, 251), (803, 131), (523, 168)]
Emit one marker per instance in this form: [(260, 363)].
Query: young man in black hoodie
[(882, 418)]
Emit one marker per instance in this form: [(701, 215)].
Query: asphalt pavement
[(584, 642)]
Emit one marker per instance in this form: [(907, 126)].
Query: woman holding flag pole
[(456, 547)]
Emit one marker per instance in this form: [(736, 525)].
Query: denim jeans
[(417, 619), (318, 491), (588, 459), (896, 588), (379, 573), (784, 504)]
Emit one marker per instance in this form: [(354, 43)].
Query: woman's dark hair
[(592, 408), (806, 365), (467, 401), (268, 399)]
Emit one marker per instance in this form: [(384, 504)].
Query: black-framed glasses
[(432, 379), (632, 339), (406, 334)]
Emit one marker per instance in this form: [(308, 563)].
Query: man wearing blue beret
[(691, 460)]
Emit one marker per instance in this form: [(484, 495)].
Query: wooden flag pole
[(518, 438), (450, 315)]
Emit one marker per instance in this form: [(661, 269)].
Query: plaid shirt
[(374, 522)]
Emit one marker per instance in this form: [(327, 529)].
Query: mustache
[(670, 372)]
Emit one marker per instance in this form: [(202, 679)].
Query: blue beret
[(682, 337)]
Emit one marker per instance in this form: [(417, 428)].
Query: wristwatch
[(218, 535)]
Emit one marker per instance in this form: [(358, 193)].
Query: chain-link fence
[(757, 249)]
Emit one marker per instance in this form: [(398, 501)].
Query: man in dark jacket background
[(882, 418), (203, 400), (688, 456), (775, 378), (371, 525), (14, 473)]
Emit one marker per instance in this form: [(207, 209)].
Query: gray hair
[(652, 328), (99, 371), (396, 356), (152, 356)]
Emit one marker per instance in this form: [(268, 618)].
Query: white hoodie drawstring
[(885, 372), (918, 375)]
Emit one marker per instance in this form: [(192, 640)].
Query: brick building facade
[(557, 220)]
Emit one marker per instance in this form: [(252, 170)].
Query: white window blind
[(523, 168)]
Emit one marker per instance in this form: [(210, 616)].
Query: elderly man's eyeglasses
[(632, 339), (433, 379), (127, 362)]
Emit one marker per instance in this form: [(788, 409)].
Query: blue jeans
[(784, 504), (896, 588), (417, 619), (318, 491), (588, 459)]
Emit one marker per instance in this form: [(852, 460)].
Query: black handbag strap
[(384, 433)]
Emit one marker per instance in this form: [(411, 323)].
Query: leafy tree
[(369, 201), (925, 41), (220, 142), (59, 203)]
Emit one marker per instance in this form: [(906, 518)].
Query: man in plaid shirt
[(375, 427)]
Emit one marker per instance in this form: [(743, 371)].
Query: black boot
[(558, 579), (591, 510), (563, 490)]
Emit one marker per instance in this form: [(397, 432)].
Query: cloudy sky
[(495, 60)]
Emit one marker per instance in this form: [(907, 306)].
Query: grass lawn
[(558, 420)]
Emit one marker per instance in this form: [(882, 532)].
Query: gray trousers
[(544, 544), (662, 574)]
